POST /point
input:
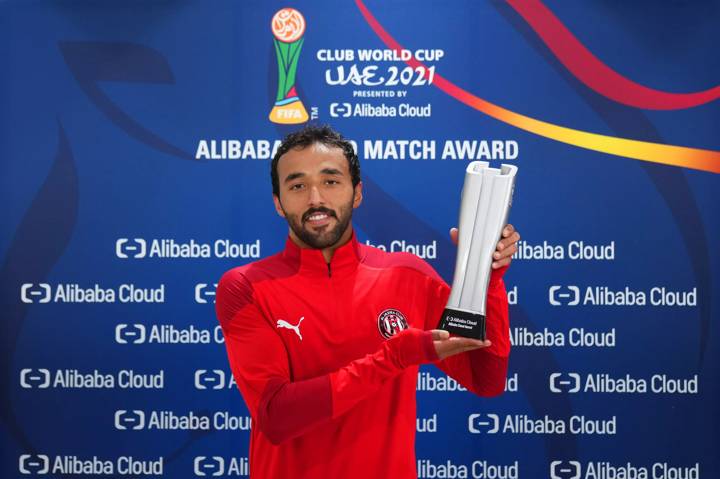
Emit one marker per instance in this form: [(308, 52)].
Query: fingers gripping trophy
[(484, 208), (288, 27)]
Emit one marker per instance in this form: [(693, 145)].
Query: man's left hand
[(506, 247)]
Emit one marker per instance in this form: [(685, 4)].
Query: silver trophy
[(486, 199)]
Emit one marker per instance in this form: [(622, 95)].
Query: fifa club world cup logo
[(288, 27)]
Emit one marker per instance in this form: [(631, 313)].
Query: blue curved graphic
[(94, 62), (39, 242)]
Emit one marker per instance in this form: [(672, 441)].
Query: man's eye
[(332, 182), (296, 186)]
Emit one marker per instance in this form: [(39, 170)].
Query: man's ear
[(278, 206), (358, 195)]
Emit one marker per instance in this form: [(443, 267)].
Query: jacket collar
[(311, 261)]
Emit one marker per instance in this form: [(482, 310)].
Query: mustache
[(312, 211)]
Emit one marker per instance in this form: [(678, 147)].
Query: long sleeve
[(259, 363), (482, 371)]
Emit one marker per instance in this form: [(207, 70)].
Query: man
[(325, 338)]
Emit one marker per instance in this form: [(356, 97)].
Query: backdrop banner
[(135, 148)]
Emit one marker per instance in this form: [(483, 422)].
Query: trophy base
[(463, 323)]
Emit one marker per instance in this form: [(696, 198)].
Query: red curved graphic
[(700, 159), (587, 68)]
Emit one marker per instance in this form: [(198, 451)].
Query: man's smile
[(318, 218)]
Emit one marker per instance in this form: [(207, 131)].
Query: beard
[(325, 236)]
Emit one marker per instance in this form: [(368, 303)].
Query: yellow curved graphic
[(695, 158)]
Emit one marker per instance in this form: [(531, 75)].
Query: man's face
[(316, 194)]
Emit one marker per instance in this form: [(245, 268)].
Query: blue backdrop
[(135, 146)]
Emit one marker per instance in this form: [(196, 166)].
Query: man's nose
[(315, 196)]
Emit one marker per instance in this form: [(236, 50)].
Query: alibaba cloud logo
[(477, 425), (205, 379), (130, 248), (30, 293), (34, 464), (204, 466), (129, 333), (125, 419), (564, 383), (35, 378), (565, 470)]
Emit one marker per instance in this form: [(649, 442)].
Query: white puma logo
[(281, 323)]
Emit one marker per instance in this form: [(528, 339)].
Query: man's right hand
[(446, 346)]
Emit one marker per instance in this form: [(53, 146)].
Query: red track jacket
[(326, 357)]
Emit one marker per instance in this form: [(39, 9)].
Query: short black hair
[(307, 136)]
